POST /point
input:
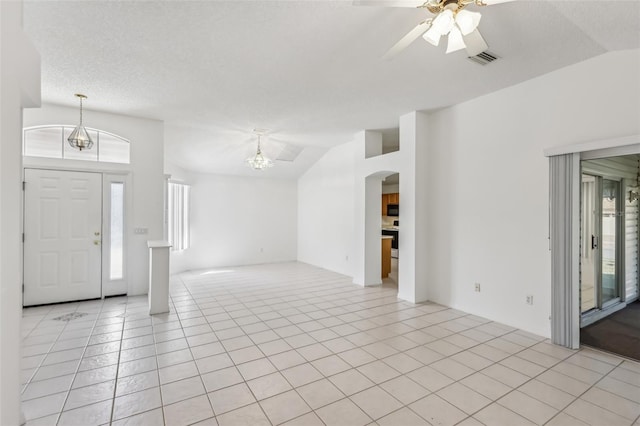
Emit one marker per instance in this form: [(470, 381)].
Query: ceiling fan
[(450, 18), (281, 150)]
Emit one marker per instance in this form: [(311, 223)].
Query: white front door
[(63, 235)]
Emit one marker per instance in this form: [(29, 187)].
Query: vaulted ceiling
[(311, 71)]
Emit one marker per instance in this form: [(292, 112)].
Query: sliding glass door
[(590, 226), (610, 229), (601, 227)]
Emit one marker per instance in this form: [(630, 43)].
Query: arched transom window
[(51, 142)]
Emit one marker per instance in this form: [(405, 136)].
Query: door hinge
[(23, 237), (24, 184), (23, 287)]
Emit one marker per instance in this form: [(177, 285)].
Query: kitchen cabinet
[(386, 256), (393, 198)]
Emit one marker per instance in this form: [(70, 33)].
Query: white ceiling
[(309, 70)]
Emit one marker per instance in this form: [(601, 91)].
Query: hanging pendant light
[(259, 161), (79, 138)]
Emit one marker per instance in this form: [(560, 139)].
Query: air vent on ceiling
[(483, 58)]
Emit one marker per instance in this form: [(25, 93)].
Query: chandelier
[(79, 138), (259, 161)]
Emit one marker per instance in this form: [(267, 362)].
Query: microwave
[(393, 210)]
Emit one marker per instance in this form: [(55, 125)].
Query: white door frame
[(117, 174)]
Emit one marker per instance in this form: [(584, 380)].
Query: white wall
[(238, 220), (326, 211), (354, 173), (19, 87), (488, 183), (391, 188), (147, 177), (484, 218)]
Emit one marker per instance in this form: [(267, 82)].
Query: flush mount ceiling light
[(259, 161), (79, 138), (451, 19)]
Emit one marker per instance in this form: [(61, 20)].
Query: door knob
[(96, 242), (96, 233)]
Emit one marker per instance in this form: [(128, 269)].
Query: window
[(178, 215), (116, 232), (51, 142)]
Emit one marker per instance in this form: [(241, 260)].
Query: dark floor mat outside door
[(618, 333)]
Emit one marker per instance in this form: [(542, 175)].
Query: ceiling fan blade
[(389, 3), (405, 41), (475, 43)]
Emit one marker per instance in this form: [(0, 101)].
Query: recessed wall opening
[(390, 140), (382, 141)]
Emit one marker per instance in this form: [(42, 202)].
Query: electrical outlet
[(346, 258), (529, 299), (478, 287)]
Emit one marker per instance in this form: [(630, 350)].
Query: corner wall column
[(412, 268), (368, 190), (19, 88)]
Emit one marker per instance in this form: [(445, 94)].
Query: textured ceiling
[(309, 70)]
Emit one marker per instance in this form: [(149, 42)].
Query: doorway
[(75, 243), (62, 236), (609, 246), (390, 229)]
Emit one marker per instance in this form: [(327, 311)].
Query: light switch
[(141, 231)]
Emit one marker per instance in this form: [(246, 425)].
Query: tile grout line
[(379, 305), (463, 349), (206, 394), (24, 386), (75, 374), (234, 365), (494, 362), (115, 385), (45, 357)]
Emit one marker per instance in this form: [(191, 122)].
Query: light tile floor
[(294, 344)]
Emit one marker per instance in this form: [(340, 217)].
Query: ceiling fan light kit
[(454, 21), (467, 21), (451, 19), (455, 41)]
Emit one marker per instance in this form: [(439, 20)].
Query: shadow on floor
[(618, 333)]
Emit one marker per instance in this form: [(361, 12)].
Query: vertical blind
[(178, 215), (564, 218)]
